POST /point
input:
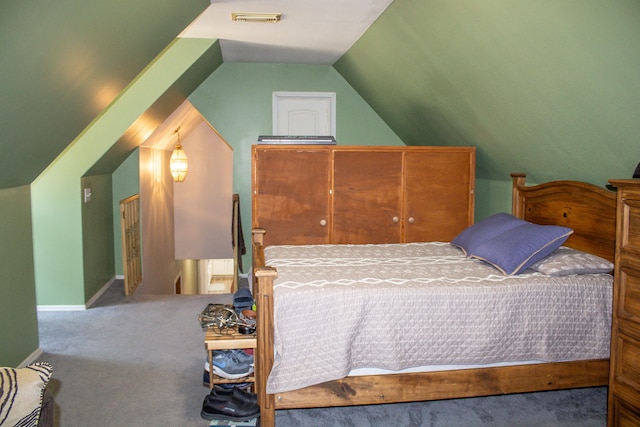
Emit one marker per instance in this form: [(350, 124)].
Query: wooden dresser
[(360, 194), (624, 380)]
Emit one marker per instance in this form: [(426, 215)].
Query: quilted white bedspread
[(344, 307)]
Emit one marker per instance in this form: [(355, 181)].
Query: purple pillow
[(474, 236), (514, 250)]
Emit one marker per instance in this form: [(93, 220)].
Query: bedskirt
[(339, 308)]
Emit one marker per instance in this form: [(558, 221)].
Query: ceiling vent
[(255, 17)]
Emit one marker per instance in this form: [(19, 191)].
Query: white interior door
[(304, 113)]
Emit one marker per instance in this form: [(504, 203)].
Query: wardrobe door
[(367, 196), (291, 194), (439, 187)]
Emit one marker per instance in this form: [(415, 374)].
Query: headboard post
[(258, 235), (517, 201)]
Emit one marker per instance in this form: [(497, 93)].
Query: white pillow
[(565, 261)]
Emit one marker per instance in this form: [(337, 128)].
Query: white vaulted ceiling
[(309, 32)]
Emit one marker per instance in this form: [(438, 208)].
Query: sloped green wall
[(62, 62), (547, 87), (57, 193)]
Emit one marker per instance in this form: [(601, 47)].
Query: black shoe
[(227, 408), (236, 393)]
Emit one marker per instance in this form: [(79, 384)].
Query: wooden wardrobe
[(359, 194)]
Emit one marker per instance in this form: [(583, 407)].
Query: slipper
[(242, 300)]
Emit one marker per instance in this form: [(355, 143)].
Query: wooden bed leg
[(263, 289)]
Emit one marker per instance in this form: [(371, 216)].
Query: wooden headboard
[(586, 208)]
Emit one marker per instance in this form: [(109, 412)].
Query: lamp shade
[(178, 164)]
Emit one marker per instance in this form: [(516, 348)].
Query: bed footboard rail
[(263, 278)]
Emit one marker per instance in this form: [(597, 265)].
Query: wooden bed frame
[(588, 209)]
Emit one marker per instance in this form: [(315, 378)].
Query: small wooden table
[(229, 340)]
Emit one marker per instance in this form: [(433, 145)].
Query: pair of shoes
[(243, 356), (228, 364), (218, 407), (236, 393)]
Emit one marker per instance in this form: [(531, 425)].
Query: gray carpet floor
[(138, 361)]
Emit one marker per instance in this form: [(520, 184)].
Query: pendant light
[(178, 163)]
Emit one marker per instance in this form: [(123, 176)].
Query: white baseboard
[(31, 358), (119, 276), (77, 307), (61, 307)]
